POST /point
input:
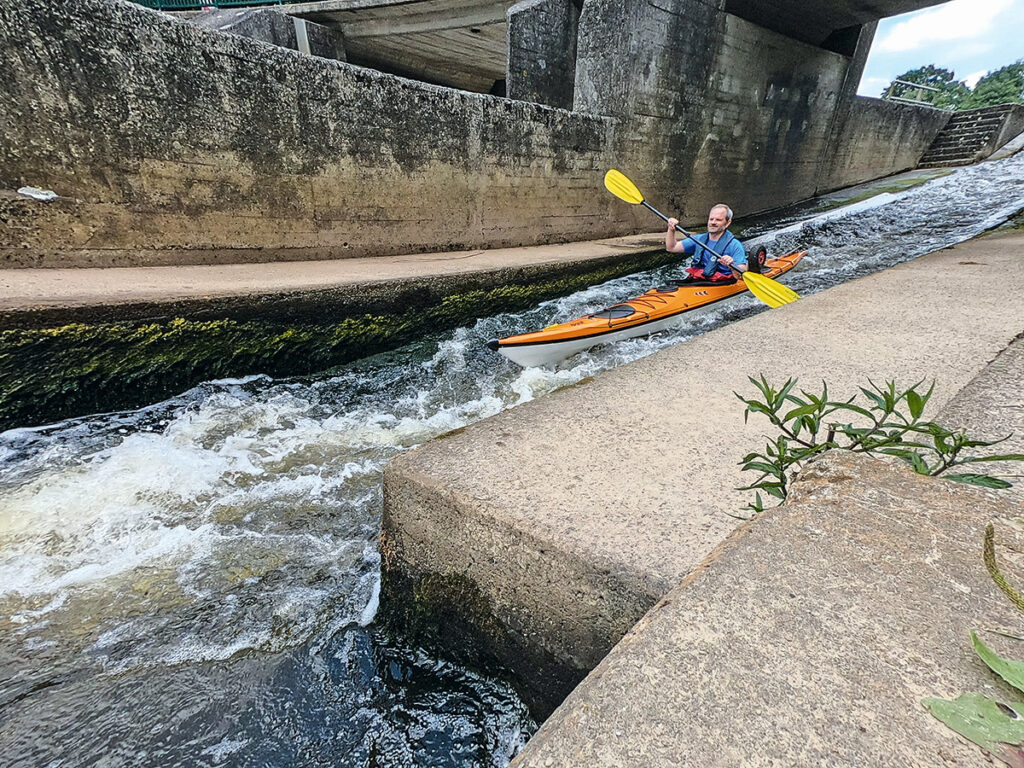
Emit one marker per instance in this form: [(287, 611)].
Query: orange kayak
[(653, 311)]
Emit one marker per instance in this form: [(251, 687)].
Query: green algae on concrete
[(899, 185), (73, 369)]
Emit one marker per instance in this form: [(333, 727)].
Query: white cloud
[(972, 80), (872, 86), (957, 20)]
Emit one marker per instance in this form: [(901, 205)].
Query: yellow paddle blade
[(772, 293), (619, 185)]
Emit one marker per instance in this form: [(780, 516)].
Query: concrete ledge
[(82, 341), (597, 500), (809, 637), (40, 297)]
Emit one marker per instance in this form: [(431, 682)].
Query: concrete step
[(964, 136), (945, 163), (955, 149)]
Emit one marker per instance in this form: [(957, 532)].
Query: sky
[(970, 37)]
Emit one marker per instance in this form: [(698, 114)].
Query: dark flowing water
[(194, 583)]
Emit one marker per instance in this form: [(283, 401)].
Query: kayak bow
[(653, 311)]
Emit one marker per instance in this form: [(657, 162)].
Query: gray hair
[(728, 210)]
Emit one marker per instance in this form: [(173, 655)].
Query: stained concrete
[(29, 297), (991, 407), (810, 637), (574, 514), (170, 144)]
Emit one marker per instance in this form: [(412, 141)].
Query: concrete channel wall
[(877, 132), (172, 144), (553, 527), (811, 637)]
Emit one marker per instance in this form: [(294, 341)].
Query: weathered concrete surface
[(574, 514), (542, 51), (31, 297), (1011, 129), (809, 637), (169, 144), (875, 131), (991, 407), (271, 25)]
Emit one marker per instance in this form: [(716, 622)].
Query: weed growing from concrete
[(995, 725), (890, 423)]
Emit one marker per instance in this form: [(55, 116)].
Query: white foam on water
[(253, 513), (223, 749)]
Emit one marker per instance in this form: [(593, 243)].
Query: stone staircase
[(966, 137)]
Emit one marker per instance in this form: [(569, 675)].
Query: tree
[(950, 92), (1004, 86)]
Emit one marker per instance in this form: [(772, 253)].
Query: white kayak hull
[(541, 354)]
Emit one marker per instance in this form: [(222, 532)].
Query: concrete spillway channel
[(546, 532)]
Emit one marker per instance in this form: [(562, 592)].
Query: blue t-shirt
[(726, 245)]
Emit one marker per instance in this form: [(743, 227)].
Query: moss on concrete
[(896, 186), (78, 368), (1016, 222)]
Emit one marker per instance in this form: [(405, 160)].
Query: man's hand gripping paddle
[(771, 292)]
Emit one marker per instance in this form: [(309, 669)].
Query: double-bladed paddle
[(771, 292)]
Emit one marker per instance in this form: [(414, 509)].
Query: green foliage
[(950, 93), (888, 422), (995, 726), (1004, 86)]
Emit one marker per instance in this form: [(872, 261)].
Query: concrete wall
[(542, 51), (272, 26), (718, 108), (1013, 124), (172, 144), (880, 134)]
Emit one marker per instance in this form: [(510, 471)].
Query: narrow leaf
[(988, 556), (760, 466), (876, 399), (1001, 457), (915, 403), (803, 410), (852, 407), (1011, 671), (919, 464), (983, 480), (996, 728)]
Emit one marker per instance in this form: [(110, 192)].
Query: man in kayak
[(722, 254)]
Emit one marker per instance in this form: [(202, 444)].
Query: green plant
[(889, 423), (995, 726)]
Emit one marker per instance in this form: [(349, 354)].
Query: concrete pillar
[(273, 26), (542, 51), (844, 102), (634, 57)]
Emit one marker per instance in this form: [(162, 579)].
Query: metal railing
[(906, 92)]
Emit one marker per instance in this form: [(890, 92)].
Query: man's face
[(717, 221)]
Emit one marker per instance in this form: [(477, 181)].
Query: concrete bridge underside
[(464, 43)]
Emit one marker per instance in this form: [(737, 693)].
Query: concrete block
[(810, 636)]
